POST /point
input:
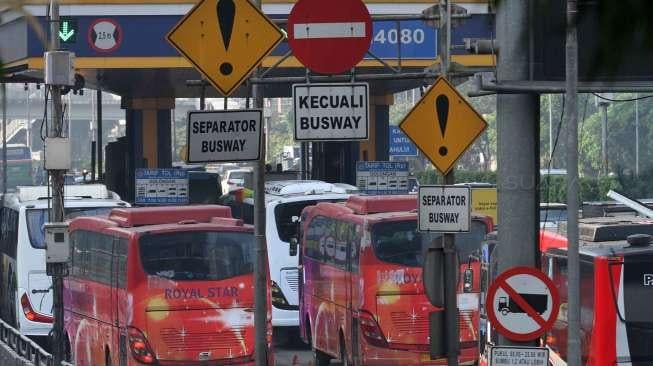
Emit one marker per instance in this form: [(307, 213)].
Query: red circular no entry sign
[(329, 37), (522, 303)]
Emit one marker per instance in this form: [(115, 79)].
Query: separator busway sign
[(224, 136), (331, 112), (444, 209)]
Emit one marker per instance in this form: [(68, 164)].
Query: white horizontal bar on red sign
[(329, 30)]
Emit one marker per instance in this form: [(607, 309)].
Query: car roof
[(92, 195)]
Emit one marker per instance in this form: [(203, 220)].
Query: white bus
[(285, 201), (25, 288)]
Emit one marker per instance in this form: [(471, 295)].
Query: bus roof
[(601, 236), (377, 209), (133, 217), (306, 187), (163, 219), (365, 205)]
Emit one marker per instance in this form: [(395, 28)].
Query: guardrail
[(17, 349)]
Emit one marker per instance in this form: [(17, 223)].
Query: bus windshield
[(399, 242), (36, 218), (197, 255)]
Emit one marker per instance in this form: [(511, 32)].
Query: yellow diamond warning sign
[(225, 40), (443, 125)]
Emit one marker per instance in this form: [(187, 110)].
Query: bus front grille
[(178, 340), (410, 323)]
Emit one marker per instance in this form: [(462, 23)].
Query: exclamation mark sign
[(226, 15), (442, 110)]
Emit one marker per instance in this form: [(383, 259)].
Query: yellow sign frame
[(198, 38), (443, 145)]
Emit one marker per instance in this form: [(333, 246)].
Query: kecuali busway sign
[(331, 112), (444, 209), (224, 136)]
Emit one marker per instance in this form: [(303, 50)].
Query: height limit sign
[(444, 209)]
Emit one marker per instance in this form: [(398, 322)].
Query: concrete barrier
[(18, 350)]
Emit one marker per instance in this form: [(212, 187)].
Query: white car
[(285, 201), (235, 179)]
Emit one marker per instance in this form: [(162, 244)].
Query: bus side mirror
[(468, 280), (293, 248)]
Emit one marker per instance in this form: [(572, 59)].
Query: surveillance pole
[(56, 270)]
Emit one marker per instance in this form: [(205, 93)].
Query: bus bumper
[(285, 318)]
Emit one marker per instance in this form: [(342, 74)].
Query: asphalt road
[(293, 352)]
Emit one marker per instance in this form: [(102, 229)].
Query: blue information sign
[(417, 40), (161, 187), (382, 177), (400, 144)]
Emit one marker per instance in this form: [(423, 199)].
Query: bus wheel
[(344, 361), (68, 356), (321, 358)]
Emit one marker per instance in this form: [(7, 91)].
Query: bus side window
[(100, 252), (9, 232), (120, 253), (3, 231), (314, 239)]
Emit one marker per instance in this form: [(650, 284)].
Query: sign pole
[(450, 284), (261, 259), (449, 249)]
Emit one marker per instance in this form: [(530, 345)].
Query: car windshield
[(36, 218), (197, 255), (237, 176), (553, 215), (399, 242)]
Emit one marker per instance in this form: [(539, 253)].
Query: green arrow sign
[(68, 30)]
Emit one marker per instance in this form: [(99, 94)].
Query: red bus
[(363, 300), (161, 286), (616, 284)]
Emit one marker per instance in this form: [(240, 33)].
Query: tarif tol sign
[(224, 136), (444, 209), (331, 112)]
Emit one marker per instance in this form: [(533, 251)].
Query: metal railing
[(25, 350)]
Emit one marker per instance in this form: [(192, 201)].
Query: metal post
[(4, 138), (203, 96), (450, 257), (304, 160), (267, 138), (261, 259), (100, 146), (93, 140), (28, 137), (93, 159), (604, 138), (517, 120), (636, 135), (450, 287), (550, 131), (57, 214), (573, 286)]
